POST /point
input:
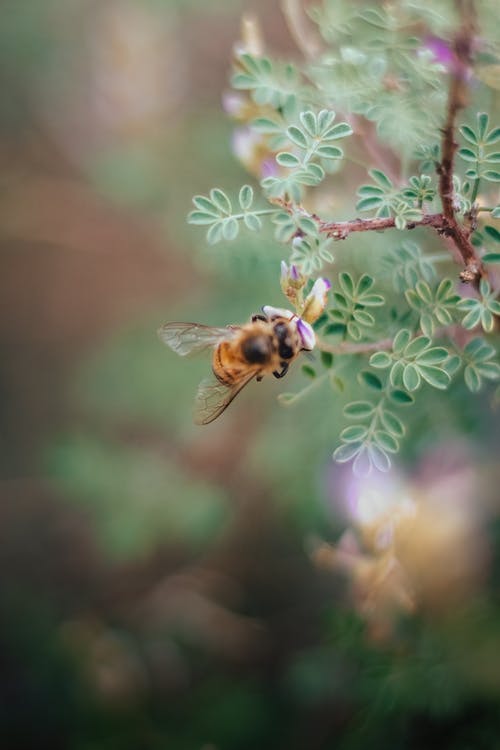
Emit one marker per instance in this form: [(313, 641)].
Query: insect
[(266, 345)]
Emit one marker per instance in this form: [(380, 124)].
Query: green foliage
[(407, 265), (480, 311), (378, 68), (413, 360), (372, 439), (478, 150), (310, 254), (216, 211), (268, 82), (350, 316), (478, 358), (434, 306), (312, 142)]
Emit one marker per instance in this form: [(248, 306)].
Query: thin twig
[(364, 347), (340, 230), (457, 100), (351, 347)]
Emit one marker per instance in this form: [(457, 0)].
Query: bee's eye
[(257, 349)]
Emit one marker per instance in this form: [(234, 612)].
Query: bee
[(266, 345)]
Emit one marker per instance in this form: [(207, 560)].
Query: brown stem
[(340, 230), (457, 100)]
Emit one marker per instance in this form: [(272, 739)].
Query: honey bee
[(264, 346)]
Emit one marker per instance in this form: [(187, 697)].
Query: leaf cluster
[(349, 316)]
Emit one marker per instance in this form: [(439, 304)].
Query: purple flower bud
[(294, 272), (284, 271)]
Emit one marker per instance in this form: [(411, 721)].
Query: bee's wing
[(213, 397), (190, 338)]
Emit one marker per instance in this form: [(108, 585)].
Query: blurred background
[(166, 586)]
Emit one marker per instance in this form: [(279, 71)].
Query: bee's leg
[(258, 316), (284, 369), (259, 378)]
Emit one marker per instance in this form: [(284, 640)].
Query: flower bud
[(316, 301), (292, 282)]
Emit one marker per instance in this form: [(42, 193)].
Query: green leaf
[(392, 423), (363, 318), (468, 134), (372, 300), (353, 331), (472, 379), (386, 441), (214, 233), (401, 340), (287, 159), (221, 200), (479, 350), (358, 409), (482, 124), (489, 370), (491, 258), (467, 154), (369, 203), (346, 452), (308, 120), (427, 324), (424, 291), (266, 125), (401, 397), (230, 229), (309, 371), (487, 320), (369, 379), (417, 346), (245, 197), (365, 282), (252, 222), (296, 135), (201, 218), (435, 376), (204, 204), (340, 130), (354, 433), (347, 284), (491, 175), (396, 374), (472, 318), (362, 465), (380, 360), (411, 377), (329, 152), (326, 358), (492, 232), (493, 136), (378, 176), (325, 119), (433, 356), (379, 458)]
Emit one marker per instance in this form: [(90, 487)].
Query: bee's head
[(257, 349)]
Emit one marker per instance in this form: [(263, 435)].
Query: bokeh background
[(166, 586)]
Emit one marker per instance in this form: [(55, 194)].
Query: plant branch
[(352, 347), (457, 100), (340, 230), (365, 347)]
